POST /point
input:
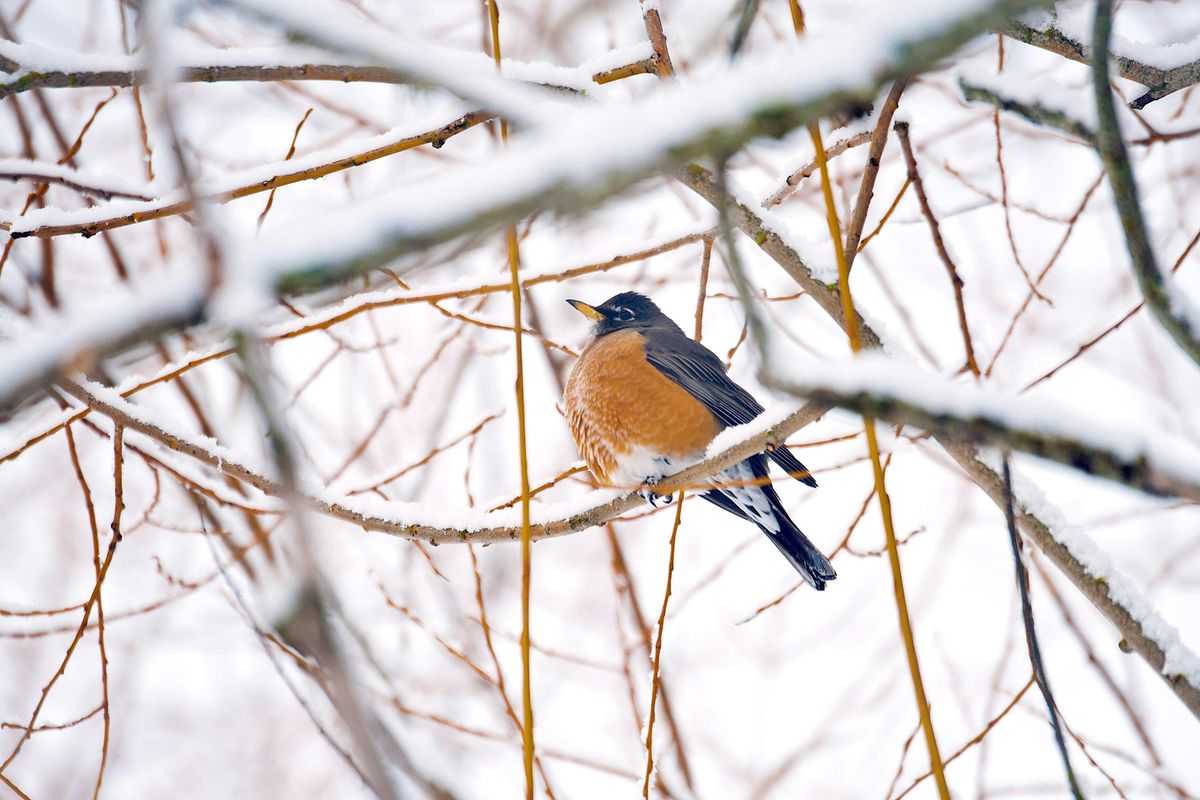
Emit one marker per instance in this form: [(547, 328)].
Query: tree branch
[(1159, 82), (1031, 112), (493, 526), (966, 413), (40, 78), (1166, 302)]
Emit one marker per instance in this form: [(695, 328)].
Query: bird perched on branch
[(644, 400)]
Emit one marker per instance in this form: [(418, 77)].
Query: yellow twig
[(514, 269), (885, 503)]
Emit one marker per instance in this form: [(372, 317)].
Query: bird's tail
[(738, 494), (802, 554)]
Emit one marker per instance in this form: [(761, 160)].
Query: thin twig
[(956, 282), (1035, 650), (159, 209), (792, 181), (657, 660), (513, 249)]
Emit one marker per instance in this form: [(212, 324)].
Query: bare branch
[(160, 208)]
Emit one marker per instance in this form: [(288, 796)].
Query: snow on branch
[(1032, 106), (440, 526), (469, 75), (99, 184), (890, 390), (67, 344), (578, 160), (1131, 60)]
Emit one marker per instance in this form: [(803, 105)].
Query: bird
[(644, 400)]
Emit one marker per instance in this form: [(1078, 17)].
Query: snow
[(617, 57), (50, 216)]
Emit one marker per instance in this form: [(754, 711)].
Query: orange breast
[(616, 401)]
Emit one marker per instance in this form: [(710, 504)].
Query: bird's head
[(623, 311)]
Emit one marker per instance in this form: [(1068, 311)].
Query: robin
[(644, 400)]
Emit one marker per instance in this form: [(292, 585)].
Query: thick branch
[(968, 414), (1159, 82), (78, 79)]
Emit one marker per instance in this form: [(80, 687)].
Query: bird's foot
[(654, 498)]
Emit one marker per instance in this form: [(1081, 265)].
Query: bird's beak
[(588, 311)]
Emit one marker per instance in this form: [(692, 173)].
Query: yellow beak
[(588, 311)]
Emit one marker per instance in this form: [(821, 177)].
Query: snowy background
[(408, 401)]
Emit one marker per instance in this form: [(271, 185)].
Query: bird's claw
[(654, 498)]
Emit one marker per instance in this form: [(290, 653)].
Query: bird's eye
[(624, 314)]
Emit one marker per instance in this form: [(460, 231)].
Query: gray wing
[(695, 368)]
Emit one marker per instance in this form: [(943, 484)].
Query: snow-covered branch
[(1160, 81), (33, 67), (440, 526), (578, 160), (889, 390)]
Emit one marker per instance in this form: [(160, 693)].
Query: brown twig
[(159, 209), (705, 263), (992, 723), (291, 152), (956, 282), (91, 603), (866, 187)]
